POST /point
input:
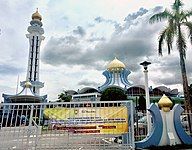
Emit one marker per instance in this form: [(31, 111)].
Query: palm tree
[(177, 19)]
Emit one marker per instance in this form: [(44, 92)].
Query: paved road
[(22, 139)]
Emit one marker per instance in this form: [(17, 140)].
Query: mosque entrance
[(78, 125)]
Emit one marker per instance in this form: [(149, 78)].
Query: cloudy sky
[(81, 38)]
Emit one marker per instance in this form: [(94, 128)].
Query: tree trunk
[(185, 82), (183, 71), (187, 101)]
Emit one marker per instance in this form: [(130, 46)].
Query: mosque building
[(31, 86), (116, 75)]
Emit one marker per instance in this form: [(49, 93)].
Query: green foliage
[(64, 97), (177, 19), (142, 103), (113, 94)]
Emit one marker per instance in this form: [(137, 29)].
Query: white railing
[(78, 125), (186, 121), (140, 124)]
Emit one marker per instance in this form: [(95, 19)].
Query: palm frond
[(162, 37), (182, 16), (169, 38), (186, 15), (161, 16), (189, 13), (189, 27), (177, 4), (172, 25), (181, 44)]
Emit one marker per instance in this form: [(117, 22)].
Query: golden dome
[(28, 84), (115, 65), (36, 15), (165, 103)]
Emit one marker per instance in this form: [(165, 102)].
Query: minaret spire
[(35, 37)]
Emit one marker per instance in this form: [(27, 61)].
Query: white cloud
[(68, 59)]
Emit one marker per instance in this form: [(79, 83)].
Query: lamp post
[(145, 65)]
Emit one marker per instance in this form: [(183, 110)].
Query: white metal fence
[(71, 126), (186, 118), (140, 124)]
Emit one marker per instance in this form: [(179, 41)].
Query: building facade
[(116, 75)]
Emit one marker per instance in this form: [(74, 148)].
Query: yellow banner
[(98, 120)]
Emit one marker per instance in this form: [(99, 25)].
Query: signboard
[(98, 120)]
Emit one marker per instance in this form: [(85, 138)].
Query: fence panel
[(78, 125), (140, 124)]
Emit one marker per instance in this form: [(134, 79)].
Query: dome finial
[(165, 103), (36, 15), (28, 84), (116, 65)]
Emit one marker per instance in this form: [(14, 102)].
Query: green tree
[(177, 19), (64, 97), (113, 94), (142, 103)]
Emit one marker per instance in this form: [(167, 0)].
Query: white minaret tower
[(35, 37)]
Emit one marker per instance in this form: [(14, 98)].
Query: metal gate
[(68, 126)]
